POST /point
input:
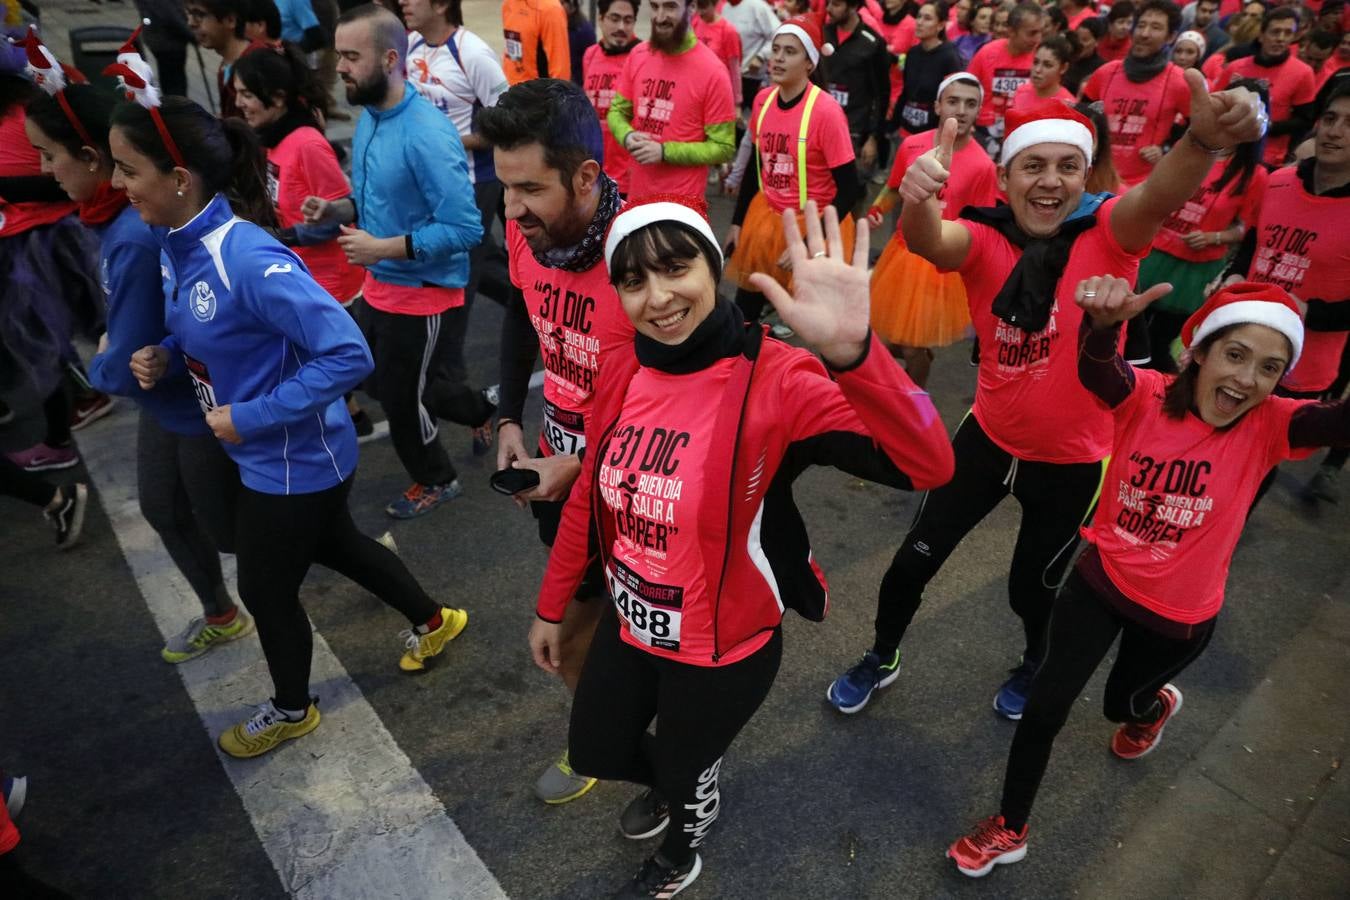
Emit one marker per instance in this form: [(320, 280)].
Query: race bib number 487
[(564, 429), (652, 612)]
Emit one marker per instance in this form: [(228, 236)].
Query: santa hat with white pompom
[(807, 30)]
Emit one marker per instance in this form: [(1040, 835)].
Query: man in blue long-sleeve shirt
[(415, 223)]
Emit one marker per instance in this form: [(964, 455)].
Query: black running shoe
[(658, 878), (647, 816), (68, 518)]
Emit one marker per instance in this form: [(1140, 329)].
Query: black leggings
[(1082, 630), (1056, 499), (187, 487), (699, 710), (277, 538)]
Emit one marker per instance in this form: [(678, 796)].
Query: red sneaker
[(987, 846), (90, 409), (1132, 741)]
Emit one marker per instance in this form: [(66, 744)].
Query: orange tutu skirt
[(913, 304), (761, 243)]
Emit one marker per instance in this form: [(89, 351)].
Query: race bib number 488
[(652, 612)]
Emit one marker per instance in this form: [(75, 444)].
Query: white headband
[(1047, 131), (1254, 312), (962, 78), (812, 51), (640, 216)]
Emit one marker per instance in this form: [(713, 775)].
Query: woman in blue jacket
[(185, 482), (269, 355)]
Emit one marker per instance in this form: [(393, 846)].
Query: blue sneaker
[(421, 499), (1011, 699), (851, 691)]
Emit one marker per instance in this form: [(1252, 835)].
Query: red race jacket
[(779, 412)]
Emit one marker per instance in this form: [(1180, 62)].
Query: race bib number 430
[(652, 612)]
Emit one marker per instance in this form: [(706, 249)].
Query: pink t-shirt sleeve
[(1096, 83), (322, 171), (718, 105), (835, 143)]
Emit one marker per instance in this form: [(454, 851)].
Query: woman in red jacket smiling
[(699, 430)]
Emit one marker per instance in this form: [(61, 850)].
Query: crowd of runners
[(1133, 214)]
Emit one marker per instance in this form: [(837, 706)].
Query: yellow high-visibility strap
[(812, 92)]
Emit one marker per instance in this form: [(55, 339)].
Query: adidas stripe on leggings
[(699, 710), (1082, 630), (277, 538), (1056, 499)]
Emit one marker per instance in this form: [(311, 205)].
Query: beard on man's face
[(670, 41), (369, 92)]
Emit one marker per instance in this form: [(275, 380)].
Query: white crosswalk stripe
[(342, 813)]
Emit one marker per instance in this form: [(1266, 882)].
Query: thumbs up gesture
[(1224, 119), (929, 173)]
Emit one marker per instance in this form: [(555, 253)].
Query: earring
[(93, 168), (180, 193)]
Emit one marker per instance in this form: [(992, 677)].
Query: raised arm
[(1219, 122), (1108, 302), (944, 244)]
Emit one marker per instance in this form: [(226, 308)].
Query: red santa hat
[(1047, 122), (688, 211), (1247, 303), (807, 30)]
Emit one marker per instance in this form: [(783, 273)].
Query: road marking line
[(342, 813)]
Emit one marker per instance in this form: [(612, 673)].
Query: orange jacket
[(536, 40)]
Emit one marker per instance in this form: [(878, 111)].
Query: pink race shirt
[(1211, 209), (1176, 495), (1138, 115), (1303, 245), (600, 76), (1026, 96), (1028, 398), (674, 98), (1002, 74), (304, 165), (650, 483), (579, 320), (827, 145), (724, 41), (1292, 83), (973, 181)]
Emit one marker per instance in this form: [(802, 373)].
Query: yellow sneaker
[(264, 730), (422, 647), (200, 636)]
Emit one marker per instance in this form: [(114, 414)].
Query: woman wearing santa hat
[(1034, 432), (698, 429), (1190, 451), (803, 153)]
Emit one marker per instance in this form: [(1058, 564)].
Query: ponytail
[(247, 188), (225, 156)]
